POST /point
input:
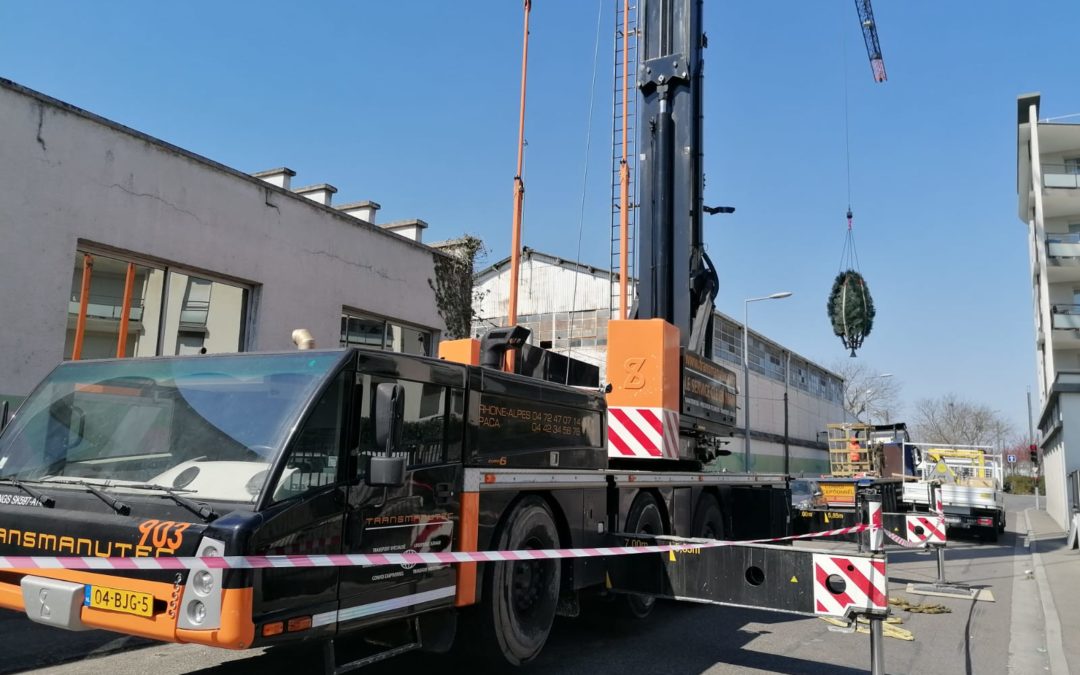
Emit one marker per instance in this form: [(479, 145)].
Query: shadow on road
[(686, 639), (23, 640)]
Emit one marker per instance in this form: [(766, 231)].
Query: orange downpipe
[(84, 300), (624, 172), (519, 191), (129, 286)]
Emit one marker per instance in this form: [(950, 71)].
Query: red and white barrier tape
[(904, 542), (374, 559)]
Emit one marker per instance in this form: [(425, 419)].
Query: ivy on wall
[(453, 284)]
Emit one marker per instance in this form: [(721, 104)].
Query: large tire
[(708, 519), (644, 518), (519, 597)]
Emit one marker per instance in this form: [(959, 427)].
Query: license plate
[(952, 520), (117, 600)]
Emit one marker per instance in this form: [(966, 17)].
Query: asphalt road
[(678, 638)]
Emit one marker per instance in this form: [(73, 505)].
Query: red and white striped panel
[(643, 432), (877, 527), (844, 584), (928, 529)]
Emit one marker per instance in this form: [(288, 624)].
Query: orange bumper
[(236, 632)]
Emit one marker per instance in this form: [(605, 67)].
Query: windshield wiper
[(201, 510), (117, 505), (43, 499)]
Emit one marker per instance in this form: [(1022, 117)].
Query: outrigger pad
[(952, 591)]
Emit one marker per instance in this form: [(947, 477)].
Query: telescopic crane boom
[(870, 37)]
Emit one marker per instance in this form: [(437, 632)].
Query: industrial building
[(1048, 192), (119, 244), (566, 305)]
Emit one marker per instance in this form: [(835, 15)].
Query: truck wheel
[(708, 520), (519, 597), (1001, 524), (644, 518)]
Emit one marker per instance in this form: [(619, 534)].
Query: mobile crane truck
[(354, 451)]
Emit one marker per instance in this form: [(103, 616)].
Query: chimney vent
[(320, 193), (364, 210), (411, 229), (280, 176)]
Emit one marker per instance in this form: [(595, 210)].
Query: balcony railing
[(106, 307), (1061, 176), (1066, 316), (1062, 245)]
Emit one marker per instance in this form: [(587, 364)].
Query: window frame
[(168, 269)]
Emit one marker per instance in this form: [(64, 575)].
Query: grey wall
[(67, 177)]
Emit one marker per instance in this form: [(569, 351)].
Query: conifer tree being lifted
[(850, 307)]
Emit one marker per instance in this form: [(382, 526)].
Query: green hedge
[(1023, 485)]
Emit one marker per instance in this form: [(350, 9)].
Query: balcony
[(1066, 323), (194, 313), (1061, 193), (106, 307), (1063, 257), (1061, 176)]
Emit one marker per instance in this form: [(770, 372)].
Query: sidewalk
[(1058, 569)]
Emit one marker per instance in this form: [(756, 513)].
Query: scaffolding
[(853, 452)]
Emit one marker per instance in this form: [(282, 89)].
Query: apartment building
[(566, 306), (1048, 191)]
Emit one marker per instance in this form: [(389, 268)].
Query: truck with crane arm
[(291, 461), (969, 480)]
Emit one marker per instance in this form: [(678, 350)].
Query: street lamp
[(866, 400), (746, 370)]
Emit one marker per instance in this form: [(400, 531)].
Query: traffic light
[(1034, 454)]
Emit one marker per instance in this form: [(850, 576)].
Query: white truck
[(970, 481)]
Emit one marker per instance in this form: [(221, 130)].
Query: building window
[(727, 341), (169, 311), (766, 359), (1072, 165), (371, 332)]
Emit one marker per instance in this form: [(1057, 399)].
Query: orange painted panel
[(468, 525), (465, 351), (643, 364), (237, 630)]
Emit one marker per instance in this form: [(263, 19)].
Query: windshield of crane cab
[(210, 426)]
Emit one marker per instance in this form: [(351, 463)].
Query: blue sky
[(414, 105)]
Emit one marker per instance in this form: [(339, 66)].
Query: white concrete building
[(566, 305), (1048, 191), (203, 258)]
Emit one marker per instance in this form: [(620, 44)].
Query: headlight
[(202, 582), (196, 612)]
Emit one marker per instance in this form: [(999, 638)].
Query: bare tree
[(954, 421), (869, 394)]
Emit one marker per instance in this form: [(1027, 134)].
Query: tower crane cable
[(849, 258), (584, 186)]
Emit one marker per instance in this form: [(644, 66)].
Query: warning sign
[(838, 493)]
